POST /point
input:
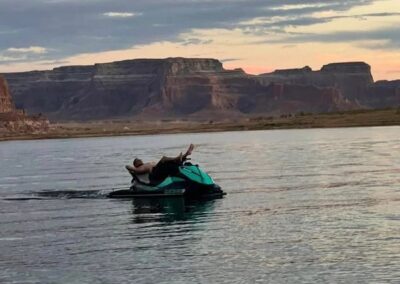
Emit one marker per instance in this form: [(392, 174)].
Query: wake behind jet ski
[(169, 177)]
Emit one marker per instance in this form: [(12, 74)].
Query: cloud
[(73, 27), (18, 54), (31, 49), (8, 59), (383, 38), (53, 62), (299, 6), (224, 60), (196, 41), (121, 14), (279, 23)]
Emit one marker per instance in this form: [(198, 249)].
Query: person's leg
[(168, 166), (163, 169), (165, 159), (180, 158)]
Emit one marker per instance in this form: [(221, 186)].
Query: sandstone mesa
[(195, 88)]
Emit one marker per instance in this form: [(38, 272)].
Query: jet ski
[(190, 182)]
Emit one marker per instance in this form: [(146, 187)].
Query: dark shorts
[(162, 170)]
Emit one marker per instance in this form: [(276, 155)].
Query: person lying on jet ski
[(167, 166)]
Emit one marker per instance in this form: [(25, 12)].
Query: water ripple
[(303, 206)]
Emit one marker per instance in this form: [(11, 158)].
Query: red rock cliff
[(13, 120), (6, 104), (183, 88)]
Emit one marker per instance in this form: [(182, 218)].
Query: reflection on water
[(147, 210), (303, 206)]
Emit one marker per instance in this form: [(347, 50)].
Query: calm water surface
[(303, 206)]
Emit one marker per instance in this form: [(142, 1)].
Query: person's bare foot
[(189, 151)]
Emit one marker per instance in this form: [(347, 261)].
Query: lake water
[(303, 206)]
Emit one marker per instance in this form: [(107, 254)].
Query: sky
[(256, 35)]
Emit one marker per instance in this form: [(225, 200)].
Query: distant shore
[(357, 118)]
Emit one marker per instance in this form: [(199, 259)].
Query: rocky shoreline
[(15, 121), (357, 118)]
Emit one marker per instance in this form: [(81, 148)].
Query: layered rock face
[(104, 90), (292, 98), (351, 79), (172, 87), (6, 104), (383, 94)]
